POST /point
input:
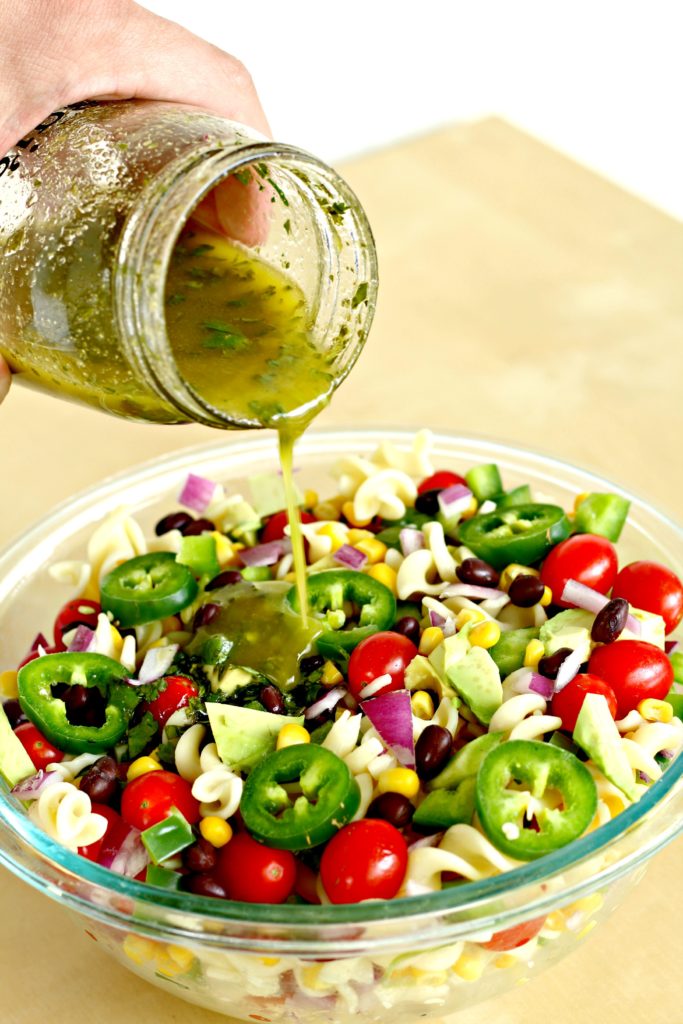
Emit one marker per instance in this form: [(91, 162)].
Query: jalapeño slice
[(329, 591), (298, 797), (525, 781), (522, 533), (147, 588)]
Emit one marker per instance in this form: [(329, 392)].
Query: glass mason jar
[(91, 205)]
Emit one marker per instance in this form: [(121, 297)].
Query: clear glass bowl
[(385, 960)]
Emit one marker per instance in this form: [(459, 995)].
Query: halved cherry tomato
[(35, 653), (151, 797), (654, 588), (634, 670), (110, 843), (364, 860), (275, 527), (80, 612), (518, 935), (255, 873), (177, 693), (306, 885), (384, 653), (585, 557), (568, 702), (440, 480), (38, 748)]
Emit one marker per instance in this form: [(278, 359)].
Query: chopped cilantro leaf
[(243, 176), (361, 294)]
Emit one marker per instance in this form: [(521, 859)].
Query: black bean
[(408, 627), (174, 521), (205, 885), (432, 750), (549, 666), (311, 664), (428, 502), (206, 614), (100, 782), (610, 621), (15, 715), (478, 573), (526, 590), (272, 700), (392, 807), (224, 579), (196, 526), (201, 857), (85, 705)]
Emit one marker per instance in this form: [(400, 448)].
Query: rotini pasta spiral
[(415, 461), (219, 792), (187, 759), (343, 736), (463, 851), (66, 814), (521, 718)]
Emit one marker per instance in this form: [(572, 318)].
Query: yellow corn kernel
[(139, 949), (578, 499), (171, 624), (184, 958), (533, 653), (289, 577), (225, 551), (614, 803), (547, 597), (270, 961), (469, 615), (215, 830), (8, 685), (292, 734), (399, 780), (512, 571), (331, 676), (166, 965), (355, 534), (336, 532), (469, 967), (430, 639), (309, 976), (422, 705), (555, 921), (484, 634), (310, 498), (329, 509), (588, 904), (117, 641), (350, 515), (141, 766), (471, 509), (383, 573), (373, 548), (505, 960), (654, 710)]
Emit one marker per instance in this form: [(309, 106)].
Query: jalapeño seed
[(478, 573), (526, 591), (610, 621), (432, 750), (550, 665)]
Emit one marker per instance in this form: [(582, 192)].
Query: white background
[(602, 81)]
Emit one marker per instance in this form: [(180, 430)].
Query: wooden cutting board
[(524, 299)]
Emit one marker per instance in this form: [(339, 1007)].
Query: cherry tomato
[(568, 702), (586, 558), (110, 843), (635, 670), (176, 694), (440, 480), (654, 588), (384, 653), (35, 653), (275, 527), (149, 799), (38, 748), (81, 612), (254, 873), (364, 860), (518, 935), (306, 885)]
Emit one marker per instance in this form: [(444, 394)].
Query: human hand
[(4, 378)]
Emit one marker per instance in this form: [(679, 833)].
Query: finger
[(5, 377)]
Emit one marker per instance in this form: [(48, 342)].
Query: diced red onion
[(471, 591), (452, 497), (541, 685), (448, 627), (197, 493), (350, 557), (34, 785), (131, 857), (82, 639), (410, 540), (436, 620), (40, 641), (642, 777), (157, 662), (419, 844), (668, 755), (266, 554), (672, 646), (371, 688), (581, 596), (392, 717), (568, 669), (326, 703)]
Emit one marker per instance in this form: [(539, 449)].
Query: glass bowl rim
[(474, 893)]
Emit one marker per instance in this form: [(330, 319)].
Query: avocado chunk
[(465, 764), (244, 735), (449, 651), (571, 628), (596, 733), (508, 653), (233, 678), (476, 679), (652, 629), (445, 807), (15, 764)]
